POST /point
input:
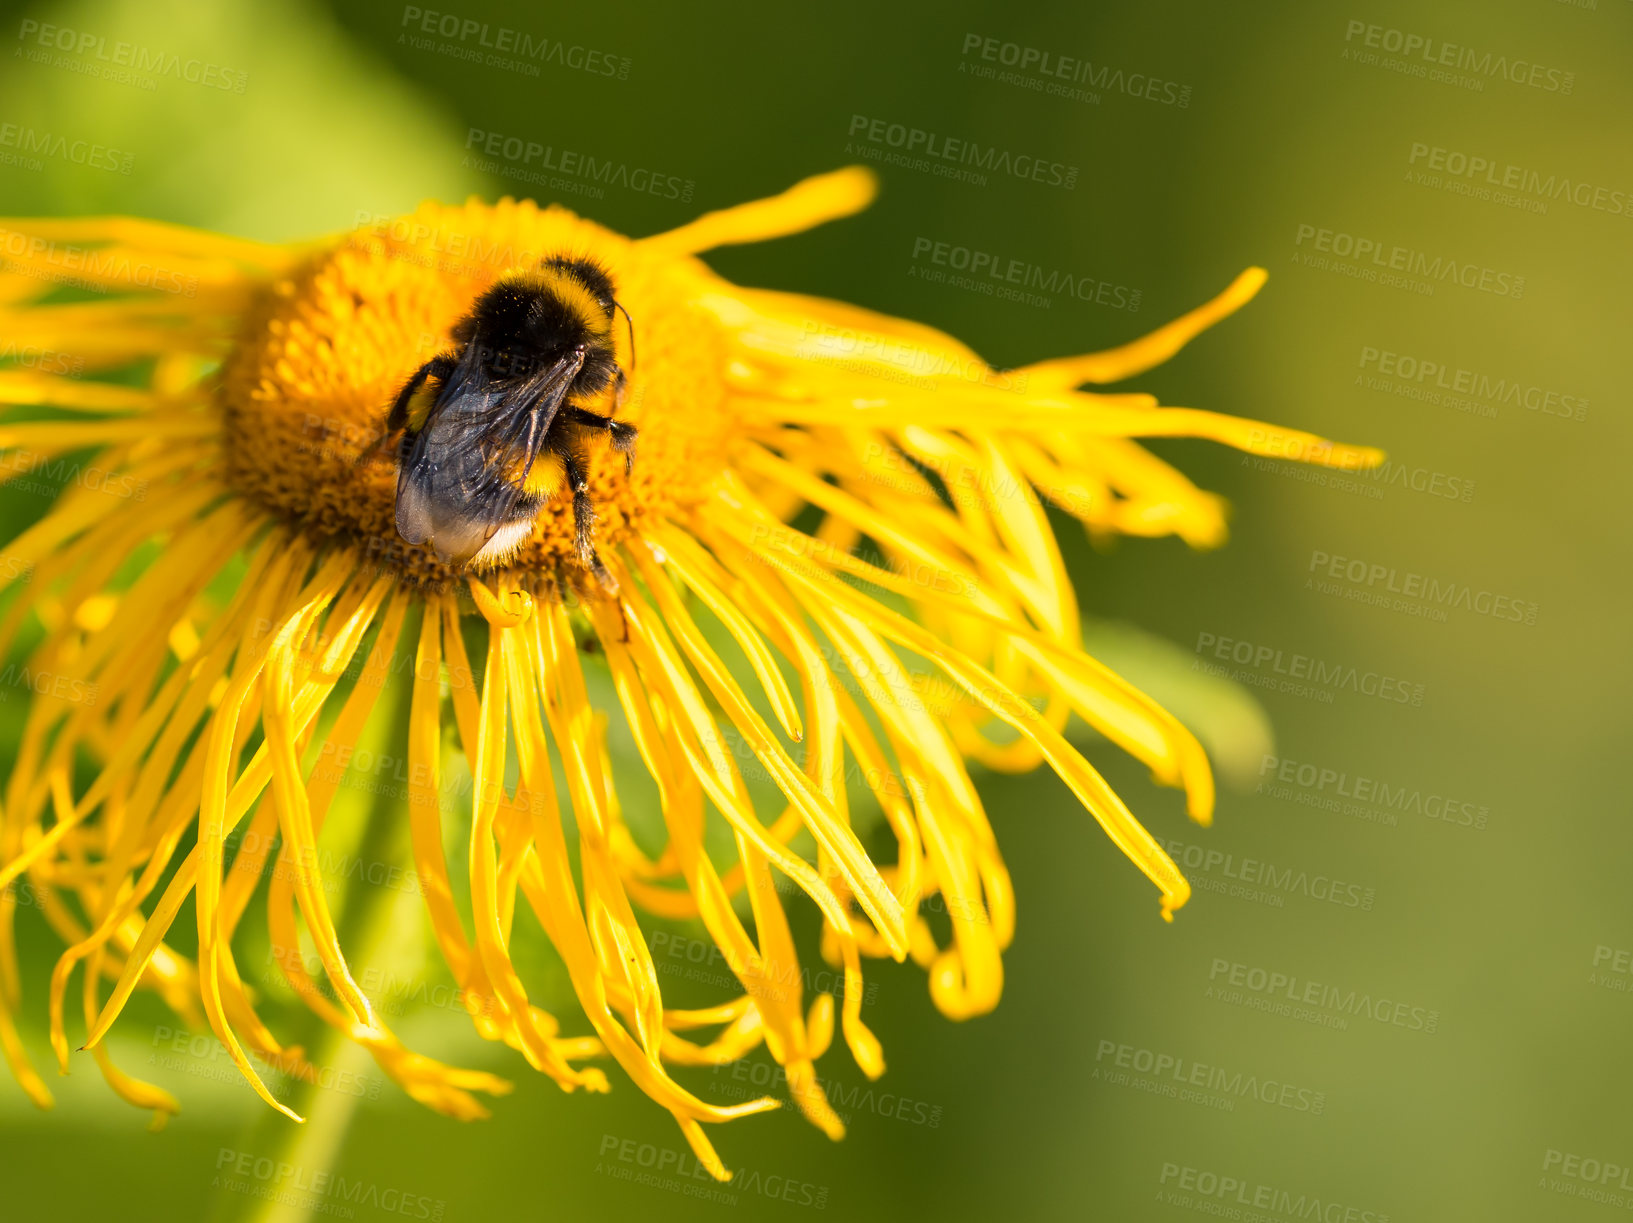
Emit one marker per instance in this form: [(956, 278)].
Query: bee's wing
[(454, 488), (465, 408)]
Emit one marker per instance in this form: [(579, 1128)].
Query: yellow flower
[(205, 588)]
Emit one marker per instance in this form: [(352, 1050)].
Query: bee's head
[(597, 281), (539, 314), (589, 275)]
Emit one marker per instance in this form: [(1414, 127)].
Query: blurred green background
[(1505, 928)]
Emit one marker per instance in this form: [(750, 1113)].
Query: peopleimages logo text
[(1295, 666), (1444, 54), (1444, 376), (1406, 260), (113, 59), (1187, 1073), (935, 147), (1290, 987), (493, 45), (1322, 780), (1238, 1197), (1429, 588), (1490, 172), (1077, 70), (521, 156), (997, 267)]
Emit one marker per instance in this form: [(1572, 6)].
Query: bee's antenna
[(631, 323)]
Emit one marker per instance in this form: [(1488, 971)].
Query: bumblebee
[(494, 428)]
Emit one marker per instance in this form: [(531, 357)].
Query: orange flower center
[(325, 351)]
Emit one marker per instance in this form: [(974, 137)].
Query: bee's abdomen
[(421, 403), (466, 508), (546, 478)]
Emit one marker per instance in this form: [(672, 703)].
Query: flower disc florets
[(325, 350)]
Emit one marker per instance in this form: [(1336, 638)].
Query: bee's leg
[(397, 418), (529, 443), (623, 435), (584, 520), (438, 368)]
